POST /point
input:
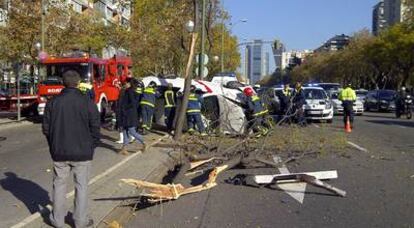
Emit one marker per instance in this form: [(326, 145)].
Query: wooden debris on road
[(159, 192)]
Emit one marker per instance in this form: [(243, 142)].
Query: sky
[(299, 24)]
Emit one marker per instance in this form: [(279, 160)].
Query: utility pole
[(203, 25), (43, 11)]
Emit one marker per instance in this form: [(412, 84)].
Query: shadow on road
[(379, 115), (34, 197), (393, 122)]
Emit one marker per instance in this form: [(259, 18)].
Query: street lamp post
[(201, 57), (232, 25), (43, 11)]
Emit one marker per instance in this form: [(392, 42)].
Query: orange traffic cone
[(348, 126)]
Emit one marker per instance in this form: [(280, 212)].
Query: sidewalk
[(106, 192)]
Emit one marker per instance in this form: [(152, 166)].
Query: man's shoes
[(119, 142), (204, 134)]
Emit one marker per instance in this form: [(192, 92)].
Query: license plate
[(315, 112)]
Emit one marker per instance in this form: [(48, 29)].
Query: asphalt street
[(376, 169), (26, 170)]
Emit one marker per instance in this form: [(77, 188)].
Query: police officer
[(348, 97), (194, 112), (147, 104), (257, 111), (285, 99), (169, 106), (298, 102)]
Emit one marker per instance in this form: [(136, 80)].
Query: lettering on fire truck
[(55, 90)]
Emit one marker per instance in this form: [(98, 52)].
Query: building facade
[(378, 18), (256, 61), (394, 11), (278, 48), (288, 57), (336, 43)]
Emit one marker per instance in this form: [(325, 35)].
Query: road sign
[(205, 62), (205, 71)]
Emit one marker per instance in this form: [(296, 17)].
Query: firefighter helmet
[(248, 91)]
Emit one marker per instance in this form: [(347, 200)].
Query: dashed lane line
[(360, 148), (315, 125), (38, 214)]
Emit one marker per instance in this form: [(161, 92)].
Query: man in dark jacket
[(129, 116), (71, 125)]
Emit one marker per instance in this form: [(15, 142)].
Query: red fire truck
[(104, 74)]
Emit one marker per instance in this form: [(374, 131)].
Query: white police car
[(318, 105)]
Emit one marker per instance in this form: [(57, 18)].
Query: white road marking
[(295, 190), (315, 125), (357, 146), (37, 215)]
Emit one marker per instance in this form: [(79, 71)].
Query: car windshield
[(334, 95), (52, 73), (387, 94), (315, 94), (328, 87)]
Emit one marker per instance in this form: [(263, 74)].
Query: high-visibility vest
[(194, 105), (347, 94), (148, 97), (258, 107), (169, 97), (286, 92), (138, 90), (84, 87)]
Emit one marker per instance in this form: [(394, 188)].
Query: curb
[(123, 212)]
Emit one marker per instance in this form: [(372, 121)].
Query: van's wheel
[(104, 110), (329, 121)]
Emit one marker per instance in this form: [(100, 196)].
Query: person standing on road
[(256, 111), (71, 124), (169, 106), (147, 105), (400, 102), (285, 99), (129, 116), (194, 112), (348, 97), (298, 101)]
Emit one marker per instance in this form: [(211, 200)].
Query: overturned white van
[(223, 106)]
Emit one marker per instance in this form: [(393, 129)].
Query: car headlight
[(328, 105)]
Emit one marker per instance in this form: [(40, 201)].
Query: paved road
[(376, 171), (25, 164)]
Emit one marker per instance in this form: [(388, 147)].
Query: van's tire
[(329, 121)]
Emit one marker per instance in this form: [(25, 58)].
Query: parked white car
[(339, 109), (318, 105)]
